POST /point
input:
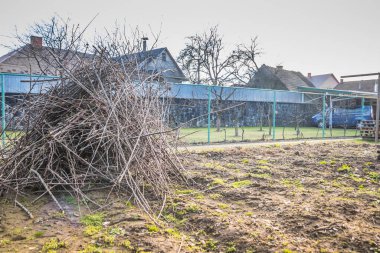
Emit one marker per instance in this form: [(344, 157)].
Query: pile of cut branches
[(97, 127)]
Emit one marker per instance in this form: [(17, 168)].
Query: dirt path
[(253, 144)]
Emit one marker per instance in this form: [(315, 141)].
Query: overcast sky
[(324, 36)]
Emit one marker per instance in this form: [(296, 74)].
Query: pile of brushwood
[(95, 128)]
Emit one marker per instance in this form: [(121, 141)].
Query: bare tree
[(245, 64), (205, 60)]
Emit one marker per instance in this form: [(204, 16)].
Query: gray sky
[(324, 36)]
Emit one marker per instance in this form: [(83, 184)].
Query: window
[(163, 55)]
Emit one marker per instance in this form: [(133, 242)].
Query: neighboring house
[(362, 85), (22, 60), (33, 58), (157, 61), (325, 81), (278, 79)]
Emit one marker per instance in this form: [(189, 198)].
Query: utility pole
[(377, 101)]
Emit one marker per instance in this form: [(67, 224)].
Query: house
[(278, 78), (156, 61), (34, 58), (23, 60), (362, 85), (325, 81)]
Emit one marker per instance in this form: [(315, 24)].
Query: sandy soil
[(306, 197)]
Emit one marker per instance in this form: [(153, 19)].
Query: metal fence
[(209, 114), (13, 88)]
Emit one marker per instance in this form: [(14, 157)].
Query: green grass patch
[(240, 184), (184, 192), (53, 245), (38, 234), (173, 232), (91, 230), (4, 242), (292, 183), (254, 134), (218, 181), (152, 228), (95, 219), (375, 176), (345, 168)]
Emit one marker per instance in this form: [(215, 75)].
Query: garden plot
[(321, 197)]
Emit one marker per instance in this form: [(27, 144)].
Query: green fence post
[(274, 117), (363, 108), (209, 115), (3, 124), (323, 116)]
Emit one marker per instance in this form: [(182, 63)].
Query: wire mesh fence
[(15, 88), (201, 114), (234, 114)]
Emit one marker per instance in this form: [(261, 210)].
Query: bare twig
[(24, 208)]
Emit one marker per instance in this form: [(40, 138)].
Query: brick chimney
[(144, 39), (308, 75), (36, 41)]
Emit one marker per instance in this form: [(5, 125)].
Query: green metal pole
[(274, 117), (323, 116), (209, 115), (363, 108), (3, 125)]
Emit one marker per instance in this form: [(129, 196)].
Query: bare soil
[(306, 197)]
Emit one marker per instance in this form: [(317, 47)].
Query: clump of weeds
[(292, 183), (210, 245), (245, 161), (231, 166), (38, 234), (91, 230), (223, 206), (52, 245), (126, 244), (173, 232), (231, 247), (152, 228), (217, 181), (375, 176), (90, 248), (241, 184), (345, 168), (4, 242), (93, 223), (260, 175), (95, 219), (215, 196), (262, 162)]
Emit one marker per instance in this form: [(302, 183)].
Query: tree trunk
[(236, 129), (261, 123), (218, 121)]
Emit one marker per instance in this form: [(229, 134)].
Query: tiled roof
[(362, 85), (320, 81), (141, 56), (291, 79)]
